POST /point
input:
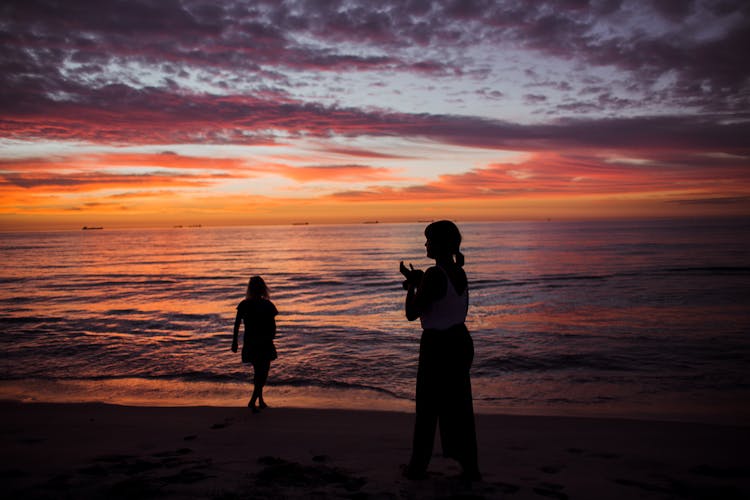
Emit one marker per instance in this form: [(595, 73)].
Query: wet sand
[(108, 451)]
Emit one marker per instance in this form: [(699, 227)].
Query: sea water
[(626, 318)]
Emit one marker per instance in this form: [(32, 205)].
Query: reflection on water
[(593, 316)]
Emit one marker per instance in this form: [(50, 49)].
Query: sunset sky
[(162, 112)]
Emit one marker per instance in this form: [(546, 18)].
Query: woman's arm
[(413, 311), (273, 312), (420, 296), (237, 321)]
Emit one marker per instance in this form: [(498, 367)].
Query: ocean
[(646, 319)]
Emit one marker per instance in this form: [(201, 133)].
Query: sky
[(166, 112)]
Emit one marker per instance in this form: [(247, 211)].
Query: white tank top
[(448, 311)]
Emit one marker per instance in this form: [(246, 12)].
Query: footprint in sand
[(279, 472), (507, 488), (551, 469), (181, 451), (222, 425), (549, 493)]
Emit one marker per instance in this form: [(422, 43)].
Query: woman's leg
[(261, 377), (465, 436), (428, 401), (254, 397)]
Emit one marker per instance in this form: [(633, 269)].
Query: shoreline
[(140, 392), (94, 450)]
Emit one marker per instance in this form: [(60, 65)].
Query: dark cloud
[(491, 94), (99, 180), (42, 95), (534, 98), (640, 133), (121, 114), (729, 200), (362, 153), (249, 33), (674, 10)]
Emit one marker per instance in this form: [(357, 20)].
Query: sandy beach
[(98, 451)]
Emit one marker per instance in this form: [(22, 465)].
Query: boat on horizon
[(89, 228)]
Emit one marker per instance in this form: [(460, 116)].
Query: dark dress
[(258, 315)]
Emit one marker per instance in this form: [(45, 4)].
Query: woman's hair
[(447, 237), (257, 288)]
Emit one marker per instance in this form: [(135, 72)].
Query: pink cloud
[(571, 175)]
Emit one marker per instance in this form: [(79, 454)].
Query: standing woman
[(259, 315), (439, 297)]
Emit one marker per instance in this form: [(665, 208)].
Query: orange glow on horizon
[(164, 189)]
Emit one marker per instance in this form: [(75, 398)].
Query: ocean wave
[(554, 362), (25, 320), (574, 278), (238, 376), (712, 270), (332, 384)]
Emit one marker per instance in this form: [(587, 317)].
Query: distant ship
[(89, 228), (300, 223), (371, 222)]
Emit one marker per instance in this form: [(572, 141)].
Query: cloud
[(534, 98), (142, 172), (51, 48), (549, 174), (337, 173), (153, 116), (163, 160), (140, 194), (96, 181), (657, 132), (730, 200), (107, 72), (167, 169), (491, 94), (363, 153)]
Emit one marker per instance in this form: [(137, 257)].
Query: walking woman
[(259, 315), (439, 297)]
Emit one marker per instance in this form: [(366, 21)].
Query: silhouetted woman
[(439, 297), (259, 315)]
